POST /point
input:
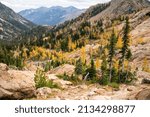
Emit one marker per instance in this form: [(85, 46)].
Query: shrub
[(47, 67), (73, 78), (104, 80), (41, 80), (114, 85)]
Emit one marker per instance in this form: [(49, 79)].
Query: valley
[(101, 54)]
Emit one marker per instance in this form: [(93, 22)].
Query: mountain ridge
[(12, 24), (51, 16), (122, 7)]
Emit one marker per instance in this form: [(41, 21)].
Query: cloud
[(19, 5)]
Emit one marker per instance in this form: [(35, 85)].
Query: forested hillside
[(107, 46)]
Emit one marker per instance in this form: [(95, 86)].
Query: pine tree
[(105, 79), (111, 54), (91, 71), (79, 69), (125, 47), (125, 51)]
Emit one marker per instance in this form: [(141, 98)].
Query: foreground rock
[(146, 81), (45, 92), (143, 95), (16, 84), (60, 82)]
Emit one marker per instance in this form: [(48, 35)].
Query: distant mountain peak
[(51, 16)]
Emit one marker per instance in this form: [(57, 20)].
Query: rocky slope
[(121, 7), (51, 16), (12, 24), (15, 84)]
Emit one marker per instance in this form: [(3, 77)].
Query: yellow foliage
[(130, 41), (16, 54), (33, 54), (116, 64), (53, 58), (43, 56), (83, 55), (106, 51), (146, 65), (24, 54), (140, 41), (60, 56), (98, 63), (40, 53), (119, 43), (70, 43), (126, 63), (73, 46), (48, 54)]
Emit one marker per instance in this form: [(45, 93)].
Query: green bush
[(114, 85), (94, 80), (47, 66), (73, 78), (41, 80), (104, 80)]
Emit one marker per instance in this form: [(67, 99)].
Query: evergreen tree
[(111, 54), (125, 51), (79, 69), (125, 47), (91, 71), (105, 79)]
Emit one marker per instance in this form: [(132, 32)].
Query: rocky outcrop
[(68, 69), (60, 82), (146, 81), (45, 92), (16, 84), (121, 7), (143, 95), (143, 77)]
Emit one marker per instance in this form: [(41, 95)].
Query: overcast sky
[(18, 5)]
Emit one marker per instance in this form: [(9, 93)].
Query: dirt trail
[(97, 92)]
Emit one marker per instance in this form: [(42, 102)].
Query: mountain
[(122, 7), (12, 24), (98, 21), (81, 49), (51, 16)]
